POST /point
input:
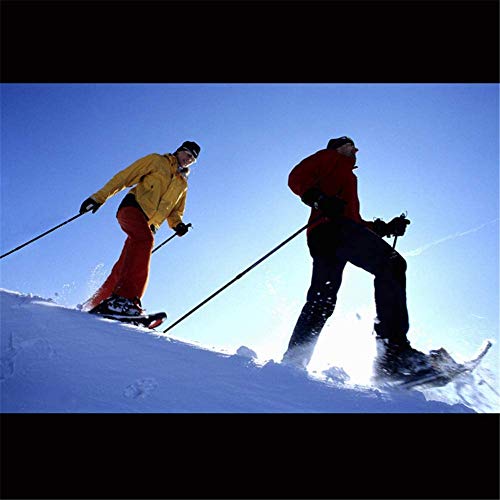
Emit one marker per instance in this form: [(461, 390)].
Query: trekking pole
[(40, 236), (241, 274), (168, 239)]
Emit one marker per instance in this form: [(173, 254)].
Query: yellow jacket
[(160, 188)]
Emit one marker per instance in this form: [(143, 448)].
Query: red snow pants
[(129, 276)]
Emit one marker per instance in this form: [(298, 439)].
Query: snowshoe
[(148, 320), (445, 369), (128, 311)]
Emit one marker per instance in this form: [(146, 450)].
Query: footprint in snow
[(38, 348), (141, 388), (7, 364)]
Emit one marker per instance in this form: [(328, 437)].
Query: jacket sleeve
[(306, 174), (177, 213), (125, 178)]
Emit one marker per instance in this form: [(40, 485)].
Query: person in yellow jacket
[(159, 194)]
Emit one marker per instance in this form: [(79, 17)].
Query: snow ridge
[(61, 360)]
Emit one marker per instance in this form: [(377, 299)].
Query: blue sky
[(429, 149)]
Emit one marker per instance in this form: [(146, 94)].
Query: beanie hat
[(339, 141), (191, 147)]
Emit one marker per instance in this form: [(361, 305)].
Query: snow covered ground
[(55, 359), (184, 429)]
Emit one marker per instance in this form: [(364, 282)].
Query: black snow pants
[(332, 246)]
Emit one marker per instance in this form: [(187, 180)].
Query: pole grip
[(402, 216)]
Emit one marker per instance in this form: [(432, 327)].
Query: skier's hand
[(332, 206), (181, 229), (380, 227), (153, 228), (397, 226), (88, 205)]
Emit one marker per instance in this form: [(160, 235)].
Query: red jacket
[(332, 173)]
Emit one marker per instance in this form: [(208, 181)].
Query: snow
[(57, 359)]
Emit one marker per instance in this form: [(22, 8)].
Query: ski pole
[(168, 239), (241, 274), (40, 236)]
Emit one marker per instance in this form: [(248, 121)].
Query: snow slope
[(60, 360)]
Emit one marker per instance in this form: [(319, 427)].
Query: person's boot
[(399, 360), (117, 305)]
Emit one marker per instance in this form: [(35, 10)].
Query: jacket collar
[(347, 160), (182, 171)]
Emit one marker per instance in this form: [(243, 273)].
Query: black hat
[(339, 141), (191, 147)]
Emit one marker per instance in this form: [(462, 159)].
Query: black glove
[(153, 228), (88, 205), (380, 227), (181, 229), (332, 206), (397, 226)]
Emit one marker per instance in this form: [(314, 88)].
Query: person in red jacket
[(325, 181)]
